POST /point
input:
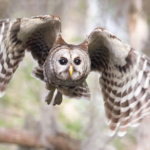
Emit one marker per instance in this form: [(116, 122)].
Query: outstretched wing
[(36, 34), (125, 80)]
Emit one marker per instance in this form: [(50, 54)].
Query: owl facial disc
[(69, 66)]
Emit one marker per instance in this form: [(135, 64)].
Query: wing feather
[(125, 80), (36, 34)]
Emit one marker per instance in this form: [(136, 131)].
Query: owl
[(125, 72)]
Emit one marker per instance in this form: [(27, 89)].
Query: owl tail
[(82, 92)]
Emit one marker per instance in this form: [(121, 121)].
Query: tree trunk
[(137, 24), (60, 141)]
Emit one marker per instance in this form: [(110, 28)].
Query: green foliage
[(70, 117), (77, 39), (119, 144), (73, 127), (21, 96)]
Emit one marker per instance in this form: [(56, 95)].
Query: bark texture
[(60, 141)]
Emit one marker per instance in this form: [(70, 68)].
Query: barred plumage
[(124, 80), (16, 35), (125, 73)]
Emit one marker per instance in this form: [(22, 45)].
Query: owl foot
[(57, 98), (49, 97), (53, 95)]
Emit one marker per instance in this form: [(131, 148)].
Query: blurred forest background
[(28, 123)]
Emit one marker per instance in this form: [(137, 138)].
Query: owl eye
[(77, 61), (63, 61)]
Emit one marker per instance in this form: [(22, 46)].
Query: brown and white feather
[(37, 34), (125, 73), (124, 80)]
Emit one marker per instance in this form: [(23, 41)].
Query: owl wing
[(36, 34), (125, 80)]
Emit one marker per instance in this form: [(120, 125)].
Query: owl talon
[(53, 95), (49, 97), (57, 99)]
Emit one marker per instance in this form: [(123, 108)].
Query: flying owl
[(125, 72)]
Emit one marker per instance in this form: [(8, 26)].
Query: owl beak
[(70, 70)]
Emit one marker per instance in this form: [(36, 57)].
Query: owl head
[(67, 64)]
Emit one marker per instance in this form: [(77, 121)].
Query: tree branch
[(60, 142)]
